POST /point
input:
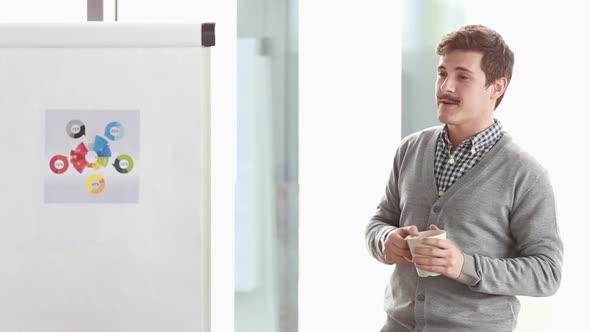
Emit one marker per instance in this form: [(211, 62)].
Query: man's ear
[(499, 87)]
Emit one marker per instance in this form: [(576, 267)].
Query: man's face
[(461, 95)]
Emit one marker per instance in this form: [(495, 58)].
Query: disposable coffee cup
[(414, 242)]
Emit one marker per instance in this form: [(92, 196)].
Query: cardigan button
[(436, 209), (421, 297)]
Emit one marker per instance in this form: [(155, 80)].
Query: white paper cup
[(414, 242)]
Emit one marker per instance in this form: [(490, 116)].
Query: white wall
[(223, 83), (350, 88), (45, 11), (546, 109)]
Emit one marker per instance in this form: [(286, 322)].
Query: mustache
[(449, 98)]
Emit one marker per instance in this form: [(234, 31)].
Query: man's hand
[(395, 247), (446, 258)]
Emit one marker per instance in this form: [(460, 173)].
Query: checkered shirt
[(451, 165)]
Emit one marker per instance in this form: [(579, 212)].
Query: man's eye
[(442, 74), (464, 77)]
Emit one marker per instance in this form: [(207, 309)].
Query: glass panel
[(266, 220), (424, 23)]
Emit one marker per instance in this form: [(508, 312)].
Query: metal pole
[(94, 10)]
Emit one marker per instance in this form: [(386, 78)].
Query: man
[(469, 178)]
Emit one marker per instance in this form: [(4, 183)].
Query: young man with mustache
[(471, 179)]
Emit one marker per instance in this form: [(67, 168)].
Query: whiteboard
[(105, 220)]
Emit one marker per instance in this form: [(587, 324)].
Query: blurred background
[(310, 100)]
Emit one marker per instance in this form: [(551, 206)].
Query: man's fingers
[(395, 259), (430, 251), (441, 243), (408, 230), (412, 230), (395, 255), (434, 227), (400, 243), (399, 252)]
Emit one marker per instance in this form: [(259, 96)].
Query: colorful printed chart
[(78, 157), (59, 164), (114, 131), (123, 164), (93, 155), (95, 183), (76, 129)]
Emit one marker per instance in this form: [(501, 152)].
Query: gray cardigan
[(501, 214)]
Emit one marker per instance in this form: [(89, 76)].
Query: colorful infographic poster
[(91, 156)]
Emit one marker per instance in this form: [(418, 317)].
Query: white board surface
[(119, 264)]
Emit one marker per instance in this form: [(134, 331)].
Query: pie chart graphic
[(98, 156), (101, 147), (102, 161), (59, 164), (76, 129), (91, 154), (78, 157), (114, 131), (123, 164), (95, 183)]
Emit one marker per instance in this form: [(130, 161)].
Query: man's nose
[(447, 85)]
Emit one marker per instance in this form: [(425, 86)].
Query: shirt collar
[(480, 141), (444, 136)]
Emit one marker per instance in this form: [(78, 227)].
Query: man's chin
[(448, 120), (446, 114), (443, 117)]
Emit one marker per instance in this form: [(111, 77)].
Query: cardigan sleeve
[(536, 268), (386, 218)]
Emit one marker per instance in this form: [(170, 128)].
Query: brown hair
[(497, 60)]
